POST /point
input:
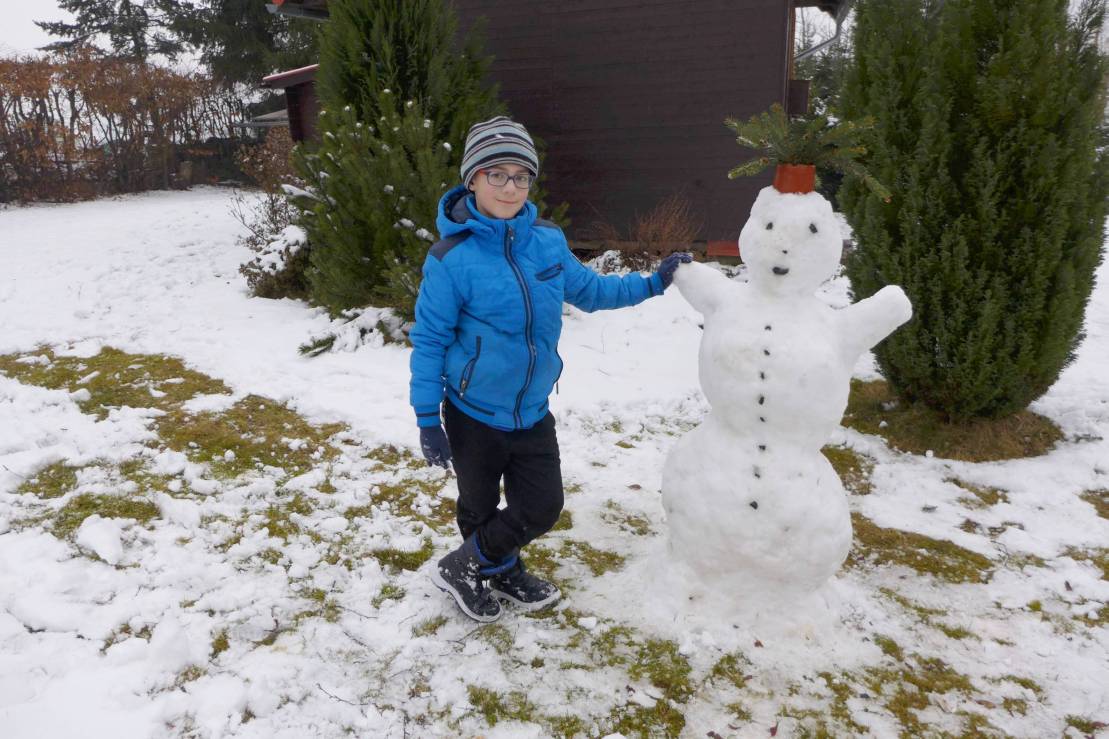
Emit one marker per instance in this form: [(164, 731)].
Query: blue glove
[(437, 450), (669, 266)]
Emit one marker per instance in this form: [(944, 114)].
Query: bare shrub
[(668, 227)]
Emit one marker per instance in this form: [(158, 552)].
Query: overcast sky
[(18, 32)]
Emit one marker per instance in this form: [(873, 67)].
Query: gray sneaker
[(459, 574), (524, 589)]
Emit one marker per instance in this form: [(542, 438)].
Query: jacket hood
[(458, 212)]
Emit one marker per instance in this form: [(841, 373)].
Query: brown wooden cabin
[(629, 98)]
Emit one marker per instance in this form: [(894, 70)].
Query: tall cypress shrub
[(991, 136), (397, 94)]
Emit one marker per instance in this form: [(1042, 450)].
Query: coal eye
[(770, 226), (812, 227)]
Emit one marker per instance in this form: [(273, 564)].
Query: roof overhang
[(266, 120), (838, 9), (312, 9), (281, 80), (831, 7)]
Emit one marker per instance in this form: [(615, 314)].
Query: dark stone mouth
[(781, 270)]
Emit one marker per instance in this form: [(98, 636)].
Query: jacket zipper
[(508, 237), (468, 370)]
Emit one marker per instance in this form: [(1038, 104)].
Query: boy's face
[(499, 202)]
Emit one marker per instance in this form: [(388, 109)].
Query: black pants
[(529, 462)]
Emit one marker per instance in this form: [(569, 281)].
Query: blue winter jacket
[(489, 313)]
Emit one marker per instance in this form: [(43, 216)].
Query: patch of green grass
[(123, 633), (854, 470), (271, 555), (908, 687), (619, 516), (190, 674), (220, 644), (731, 668), (1099, 557), (565, 521), (599, 561), (926, 616), (402, 559), (890, 648), (495, 707), (740, 712), (543, 562), (942, 559), (839, 710), (498, 637), (254, 432), (323, 606), (657, 660), (1015, 705), (429, 626), (389, 591), (955, 632), (981, 497), (52, 481), (70, 516), (1025, 682), (135, 470), (115, 379), (1085, 725), (1099, 499), (566, 726), (662, 719), (1098, 619), (915, 428), (389, 457), (572, 488), (403, 498), (277, 518)]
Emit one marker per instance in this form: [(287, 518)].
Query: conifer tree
[(136, 29), (397, 96), (991, 136), (240, 41)]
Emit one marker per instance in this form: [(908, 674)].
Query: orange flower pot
[(795, 178)]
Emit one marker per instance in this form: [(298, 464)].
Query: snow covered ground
[(281, 589)]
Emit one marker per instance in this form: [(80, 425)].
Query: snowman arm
[(869, 321), (703, 287)]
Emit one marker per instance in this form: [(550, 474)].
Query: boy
[(485, 357)]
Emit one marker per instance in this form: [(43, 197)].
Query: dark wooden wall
[(630, 98), (303, 107)]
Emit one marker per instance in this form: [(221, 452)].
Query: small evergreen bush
[(991, 134)]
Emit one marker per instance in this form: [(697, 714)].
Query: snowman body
[(754, 510)]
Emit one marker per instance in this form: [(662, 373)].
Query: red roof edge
[(291, 77)]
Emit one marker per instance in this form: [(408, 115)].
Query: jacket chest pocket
[(548, 273)]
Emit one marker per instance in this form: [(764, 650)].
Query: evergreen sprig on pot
[(813, 140)]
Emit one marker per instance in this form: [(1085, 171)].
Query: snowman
[(755, 511)]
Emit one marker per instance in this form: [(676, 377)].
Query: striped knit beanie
[(497, 141)]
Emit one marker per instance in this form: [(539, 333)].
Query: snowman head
[(791, 243)]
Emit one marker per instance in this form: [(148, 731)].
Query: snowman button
[(762, 399), (758, 474), (762, 418), (754, 504), (766, 352), (767, 327), (762, 375), (762, 447)]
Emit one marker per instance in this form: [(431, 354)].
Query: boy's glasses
[(497, 178)]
